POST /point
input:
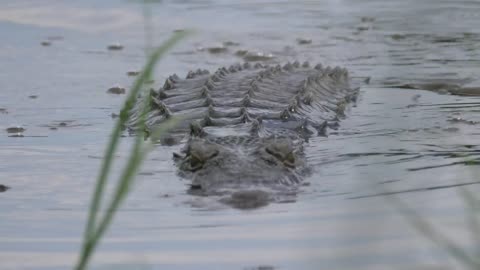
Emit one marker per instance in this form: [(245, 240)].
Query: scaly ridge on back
[(241, 93)]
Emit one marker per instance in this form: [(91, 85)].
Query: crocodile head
[(241, 162)]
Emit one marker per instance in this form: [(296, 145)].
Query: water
[(410, 143)]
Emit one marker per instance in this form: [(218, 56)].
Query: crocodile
[(244, 127)]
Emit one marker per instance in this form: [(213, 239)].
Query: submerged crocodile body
[(244, 127)]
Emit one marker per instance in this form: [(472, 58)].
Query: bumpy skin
[(244, 126)]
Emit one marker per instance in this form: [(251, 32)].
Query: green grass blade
[(90, 236)]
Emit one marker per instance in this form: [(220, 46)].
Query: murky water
[(411, 143)]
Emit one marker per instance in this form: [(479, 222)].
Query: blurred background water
[(407, 142)]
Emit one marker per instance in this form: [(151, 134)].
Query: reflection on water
[(419, 145)]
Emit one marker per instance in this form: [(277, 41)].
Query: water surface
[(407, 142)]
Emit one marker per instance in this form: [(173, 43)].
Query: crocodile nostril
[(213, 154), (195, 187)]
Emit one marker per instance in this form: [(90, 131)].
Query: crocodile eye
[(287, 158), (195, 163), (274, 153), (197, 160)]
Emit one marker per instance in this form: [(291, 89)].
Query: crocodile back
[(242, 99)]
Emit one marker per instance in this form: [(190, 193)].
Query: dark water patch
[(461, 120), (304, 41), (360, 58), (21, 135), (133, 73), (3, 188), (116, 90), (15, 129), (146, 173), (165, 195), (361, 29), (17, 135), (451, 129), (254, 56), (115, 47), (216, 49), (446, 40), (230, 43), (466, 91), (367, 19)]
